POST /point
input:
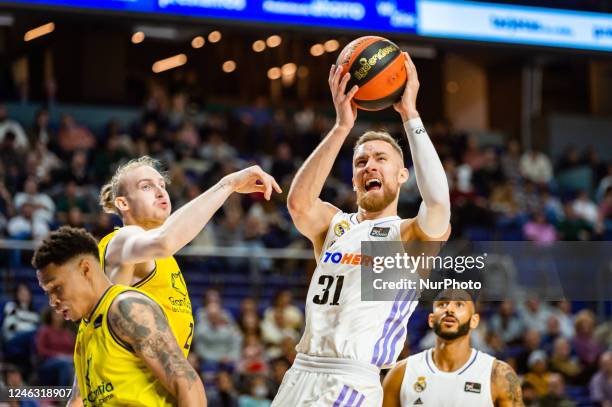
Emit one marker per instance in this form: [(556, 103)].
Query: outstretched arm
[(434, 214), (133, 244), (309, 213), (505, 386), (392, 385), (140, 322)]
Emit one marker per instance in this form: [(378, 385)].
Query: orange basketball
[(377, 67)]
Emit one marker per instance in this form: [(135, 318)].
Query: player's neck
[(363, 214), (449, 356), (99, 286)]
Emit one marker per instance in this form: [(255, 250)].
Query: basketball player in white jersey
[(347, 341), (452, 374)]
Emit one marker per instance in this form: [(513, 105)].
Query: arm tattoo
[(143, 325), (507, 384)]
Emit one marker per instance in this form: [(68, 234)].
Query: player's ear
[(403, 175), (474, 321), (121, 203), (84, 266), (430, 320)]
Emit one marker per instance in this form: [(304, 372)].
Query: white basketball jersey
[(338, 323), (425, 385)]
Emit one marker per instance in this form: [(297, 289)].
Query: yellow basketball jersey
[(108, 374), (167, 285)]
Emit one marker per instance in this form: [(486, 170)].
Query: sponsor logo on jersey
[(420, 384), (354, 259), (341, 228), (99, 394), (178, 283), (472, 387), (418, 402), (379, 232)]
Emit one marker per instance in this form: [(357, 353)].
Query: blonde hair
[(378, 135), (114, 188)]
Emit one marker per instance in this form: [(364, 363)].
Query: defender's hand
[(253, 179)]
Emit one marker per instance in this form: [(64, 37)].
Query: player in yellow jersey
[(125, 352), (140, 254)]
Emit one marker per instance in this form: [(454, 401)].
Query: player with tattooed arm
[(125, 352)]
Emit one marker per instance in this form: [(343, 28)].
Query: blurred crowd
[(51, 172), (562, 355)]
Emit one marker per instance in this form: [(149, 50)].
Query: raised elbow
[(295, 205)]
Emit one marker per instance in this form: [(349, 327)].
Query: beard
[(462, 330), (376, 203)]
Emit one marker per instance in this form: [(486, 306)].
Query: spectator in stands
[(25, 227), (601, 384), (215, 149), (489, 173), (73, 136), (55, 347), (563, 311), (292, 315), (604, 219), (569, 160), (538, 373), (275, 329), (473, 156), (217, 339), (226, 395), (72, 197), (283, 165), (506, 322), (511, 161), (44, 208), (531, 343), (8, 125), (604, 184), (536, 167), (551, 334), (278, 368), (19, 315), (585, 208), (12, 161), (41, 132), (6, 202), (573, 228), (552, 207), (530, 396), (257, 395), (539, 230), (253, 358), (46, 163), (586, 346), (535, 314), (556, 393), (13, 378), (562, 361), (598, 167)]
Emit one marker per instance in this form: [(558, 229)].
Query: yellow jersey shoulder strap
[(102, 246)]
